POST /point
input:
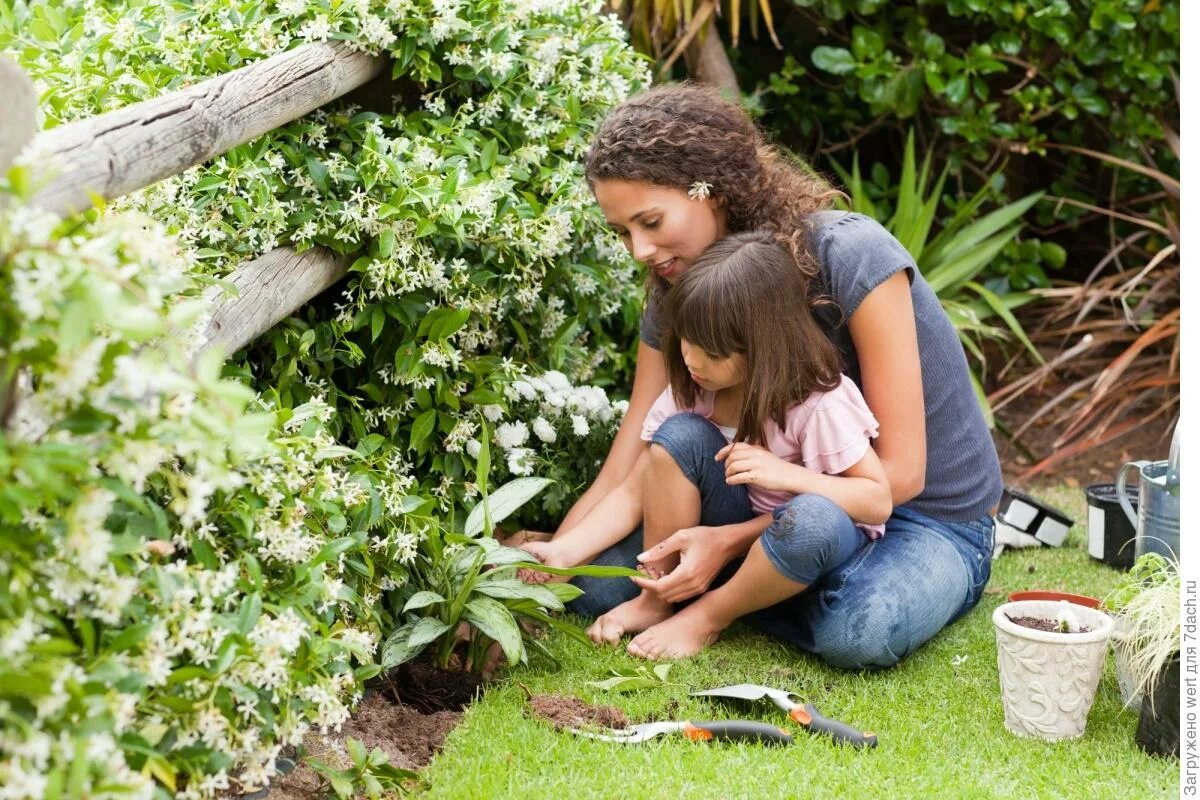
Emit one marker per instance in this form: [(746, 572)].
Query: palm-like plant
[(952, 261)]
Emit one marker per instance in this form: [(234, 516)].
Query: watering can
[(1157, 517)]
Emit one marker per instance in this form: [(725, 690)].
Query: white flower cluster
[(560, 415)]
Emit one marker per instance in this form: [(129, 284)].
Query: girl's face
[(661, 226), (713, 373)]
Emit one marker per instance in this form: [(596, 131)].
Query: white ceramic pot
[(1047, 679)]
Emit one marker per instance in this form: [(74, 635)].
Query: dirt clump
[(570, 712), (408, 737)]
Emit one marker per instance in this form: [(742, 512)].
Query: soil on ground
[(427, 688), (409, 737), (570, 712), (1043, 624)]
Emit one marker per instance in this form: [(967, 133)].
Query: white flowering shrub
[(481, 256), (191, 571), (553, 430), (188, 577)]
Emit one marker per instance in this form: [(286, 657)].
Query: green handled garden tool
[(724, 730), (803, 714)]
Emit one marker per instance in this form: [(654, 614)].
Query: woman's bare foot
[(632, 616), (682, 635)]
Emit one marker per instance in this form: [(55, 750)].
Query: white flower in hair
[(700, 190)]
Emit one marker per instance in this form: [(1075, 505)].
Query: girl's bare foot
[(632, 616), (682, 635)]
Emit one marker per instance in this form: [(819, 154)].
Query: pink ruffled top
[(829, 433)]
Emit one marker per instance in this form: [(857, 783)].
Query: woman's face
[(661, 226)]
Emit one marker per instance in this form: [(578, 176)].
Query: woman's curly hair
[(678, 134)]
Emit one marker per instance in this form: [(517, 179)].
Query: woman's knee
[(863, 638), (810, 536)]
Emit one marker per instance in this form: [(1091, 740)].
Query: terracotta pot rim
[(1084, 600), (1101, 624)]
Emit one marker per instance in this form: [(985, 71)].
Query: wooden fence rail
[(134, 147)]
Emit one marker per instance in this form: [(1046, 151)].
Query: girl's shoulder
[(844, 401)]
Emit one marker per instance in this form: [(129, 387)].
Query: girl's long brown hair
[(745, 295)]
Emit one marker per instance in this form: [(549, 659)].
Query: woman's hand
[(757, 466), (702, 554)]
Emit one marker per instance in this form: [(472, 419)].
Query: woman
[(675, 169)]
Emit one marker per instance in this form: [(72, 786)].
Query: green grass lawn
[(938, 717)]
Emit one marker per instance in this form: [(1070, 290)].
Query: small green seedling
[(369, 774), (629, 680)]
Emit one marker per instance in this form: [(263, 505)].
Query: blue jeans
[(868, 604)]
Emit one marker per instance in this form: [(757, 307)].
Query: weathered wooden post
[(18, 125), (133, 147)]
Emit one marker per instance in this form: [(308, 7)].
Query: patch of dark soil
[(408, 738), (1042, 624), (571, 712), (427, 688)]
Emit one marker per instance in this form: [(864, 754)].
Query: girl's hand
[(757, 466), (701, 557)]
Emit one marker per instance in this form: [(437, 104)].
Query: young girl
[(674, 170), (756, 414)]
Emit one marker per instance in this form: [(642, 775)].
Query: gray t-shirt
[(856, 254)]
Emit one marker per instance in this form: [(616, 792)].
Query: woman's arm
[(649, 380), (884, 331), (611, 519)]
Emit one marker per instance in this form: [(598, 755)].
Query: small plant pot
[(1043, 594), (1158, 726), (1048, 679), (1110, 534)]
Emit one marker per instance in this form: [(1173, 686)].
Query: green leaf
[(333, 549), (504, 501), (589, 570), (422, 599), (422, 428), (449, 324), (997, 305), (407, 641), (357, 751), (249, 613), (836, 60), (662, 671), (624, 684), (496, 622), (512, 589), (954, 272), (970, 237)]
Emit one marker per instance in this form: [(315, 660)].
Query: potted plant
[(1146, 642), (1051, 655)]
